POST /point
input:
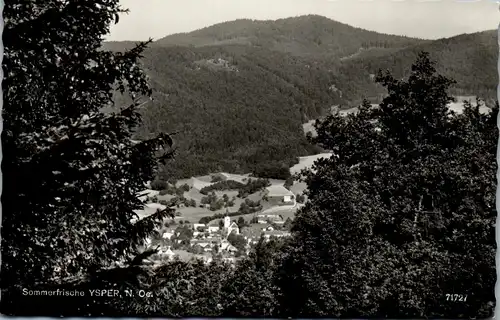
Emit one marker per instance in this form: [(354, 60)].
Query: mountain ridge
[(306, 35), (240, 105)]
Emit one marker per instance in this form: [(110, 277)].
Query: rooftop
[(276, 233), (278, 191)]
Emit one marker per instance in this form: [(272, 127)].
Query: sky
[(428, 19)]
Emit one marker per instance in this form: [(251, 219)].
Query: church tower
[(227, 222)]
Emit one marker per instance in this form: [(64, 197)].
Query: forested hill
[(310, 35), (469, 59), (239, 91), (234, 106)]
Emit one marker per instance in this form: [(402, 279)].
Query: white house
[(167, 235), (280, 193), (198, 225), (261, 219), (275, 233), (213, 229), (274, 218)]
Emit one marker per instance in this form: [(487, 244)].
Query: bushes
[(237, 241), (217, 178), (271, 170), (205, 200), (221, 186), (170, 189), (206, 220), (159, 185), (177, 201), (301, 198), (288, 183), (249, 207), (241, 222), (166, 191), (253, 186), (217, 205), (251, 203)]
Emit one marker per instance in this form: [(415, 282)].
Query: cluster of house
[(270, 218), (252, 236), (210, 239)]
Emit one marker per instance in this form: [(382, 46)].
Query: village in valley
[(220, 216), (223, 215)]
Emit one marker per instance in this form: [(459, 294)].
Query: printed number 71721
[(456, 297)]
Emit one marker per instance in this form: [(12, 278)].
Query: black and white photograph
[(249, 158)]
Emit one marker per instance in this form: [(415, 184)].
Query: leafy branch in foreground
[(71, 174)]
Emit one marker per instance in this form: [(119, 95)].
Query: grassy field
[(193, 215), (307, 162)]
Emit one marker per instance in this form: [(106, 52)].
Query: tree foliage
[(476, 77), (222, 186), (403, 214), (71, 174)]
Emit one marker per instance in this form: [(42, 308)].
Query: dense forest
[(469, 59), (311, 36), (236, 93), (233, 114)]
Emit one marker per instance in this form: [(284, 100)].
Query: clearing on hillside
[(307, 162)]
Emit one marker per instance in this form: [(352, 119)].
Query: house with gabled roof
[(279, 194)]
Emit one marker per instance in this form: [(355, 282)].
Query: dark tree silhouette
[(71, 174), (403, 215)]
